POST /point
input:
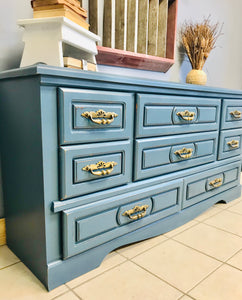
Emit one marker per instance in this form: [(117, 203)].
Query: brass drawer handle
[(236, 114), (186, 115), (216, 183), (100, 116), (184, 152), (136, 213), (100, 165), (233, 144)]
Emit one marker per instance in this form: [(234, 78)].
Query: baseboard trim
[(2, 232)]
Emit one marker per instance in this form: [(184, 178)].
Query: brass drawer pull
[(233, 144), (100, 116), (184, 152), (136, 213), (236, 114), (100, 165), (216, 182), (186, 115)]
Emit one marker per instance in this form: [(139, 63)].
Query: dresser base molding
[(60, 271), (2, 232)]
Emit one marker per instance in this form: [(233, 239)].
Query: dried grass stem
[(199, 39)]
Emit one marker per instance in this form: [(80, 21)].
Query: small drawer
[(231, 114), (156, 156), (90, 168), (91, 116), (165, 115), (209, 183), (230, 143), (90, 225)]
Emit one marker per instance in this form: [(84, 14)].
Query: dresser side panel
[(50, 169), (22, 171)]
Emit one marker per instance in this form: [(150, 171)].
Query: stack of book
[(70, 62), (60, 8)]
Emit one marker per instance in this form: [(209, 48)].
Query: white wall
[(223, 67)]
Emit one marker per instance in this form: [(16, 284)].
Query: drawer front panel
[(90, 116), (230, 143), (231, 114), (89, 168), (207, 184), (165, 115), (156, 156), (90, 225)]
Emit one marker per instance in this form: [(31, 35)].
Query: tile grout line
[(167, 238), (97, 275), (234, 254), (10, 265), (56, 297), (223, 230), (219, 212), (204, 279), (228, 264), (157, 276), (234, 212), (76, 295), (183, 230), (234, 267), (144, 250), (71, 290), (212, 257), (188, 296)]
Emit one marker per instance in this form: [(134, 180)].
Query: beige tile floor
[(201, 260)]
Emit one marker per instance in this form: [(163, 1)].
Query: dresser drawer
[(156, 156), (90, 225), (165, 115), (89, 168), (231, 114), (90, 116), (207, 184), (230, 143)]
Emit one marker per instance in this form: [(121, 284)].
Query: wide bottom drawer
[(90, 225), (209, 183)]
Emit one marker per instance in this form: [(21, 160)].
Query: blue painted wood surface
[(42, 229), (74, 128), (226, 136), (154, 156), (228, 121), (157, 115), (75, 181)]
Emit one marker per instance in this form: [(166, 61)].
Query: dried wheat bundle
[(199, 39)]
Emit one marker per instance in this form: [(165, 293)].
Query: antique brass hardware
[(136, 213), (233, 144), (184, 152), (186, 115), (236, 114), (100, 116), (216, 182), (100, 165)]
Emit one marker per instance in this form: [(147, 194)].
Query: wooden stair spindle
[(152, 27), (93, 16), (162, 28), (119, 24), (131, 16), (142, 26), (107, 24)]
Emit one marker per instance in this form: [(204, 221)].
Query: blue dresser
[(92, 162)]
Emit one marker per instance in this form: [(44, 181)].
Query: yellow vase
[(196, 77)]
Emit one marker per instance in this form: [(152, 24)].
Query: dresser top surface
[(54, 75)]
